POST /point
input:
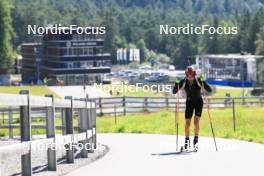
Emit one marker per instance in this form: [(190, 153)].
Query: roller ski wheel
[(189, 149), (195, 148), (185, 150), (186, 147)]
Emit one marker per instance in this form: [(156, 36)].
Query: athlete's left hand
[(202, 78), (177, 81)]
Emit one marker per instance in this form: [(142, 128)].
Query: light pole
[(38, 54), (37, 66), (243, 78)]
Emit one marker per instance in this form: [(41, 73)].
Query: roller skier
[(193, 87)]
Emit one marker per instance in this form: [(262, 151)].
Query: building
[(126, 56), (71, 58), (229, 66), (18, 63)]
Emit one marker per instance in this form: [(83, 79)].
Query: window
[(70, 65), (74, 37), (64, 52), (85, 52), (80, 51), (76, 65), (86, 37), (90, 51), (70, 51), (75, 51)]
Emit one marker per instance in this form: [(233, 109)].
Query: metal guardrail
[(26, 103)]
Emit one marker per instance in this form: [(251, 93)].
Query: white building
[(125, 56), (229, 66)]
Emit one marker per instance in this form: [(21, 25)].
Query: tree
[(6, 33), (135, 21), (143, 50), (256, 24), (212, 41), (188, 5), (260, 42), (260, 50), (111, 36), (245, 31)]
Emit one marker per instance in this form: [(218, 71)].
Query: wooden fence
[(124, 105), (86, 129)]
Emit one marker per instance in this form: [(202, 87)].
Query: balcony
[(67, 71)]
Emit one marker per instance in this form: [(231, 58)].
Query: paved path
[(78, 91), (154, 155)]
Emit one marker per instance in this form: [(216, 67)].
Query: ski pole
[(177, 116), (210, 118)]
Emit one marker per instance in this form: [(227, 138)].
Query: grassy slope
[(250, 123), (34, 90), (249, 126), (235, 92)]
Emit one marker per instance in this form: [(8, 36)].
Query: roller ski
[(187, 149)]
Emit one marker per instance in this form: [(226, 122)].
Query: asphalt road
[(78, 91), (143, 154)]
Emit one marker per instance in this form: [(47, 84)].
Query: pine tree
[(188, 5), (143, 50), (256, 24), (260, 42), (111, 36), (6, 33), (245, 31), (212, 41)]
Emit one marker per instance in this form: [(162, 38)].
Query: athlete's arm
[(207, 87), (177, 85)]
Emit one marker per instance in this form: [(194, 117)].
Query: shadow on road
[(171, 153)]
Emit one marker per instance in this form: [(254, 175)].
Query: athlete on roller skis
[(193, 87)]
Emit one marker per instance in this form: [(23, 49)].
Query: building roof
[(30, 44), (231, 56)]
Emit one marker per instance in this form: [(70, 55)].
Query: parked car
[(157, 77)]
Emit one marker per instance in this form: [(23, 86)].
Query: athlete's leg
[(187, 133), (188, 118), (196, 125), (187, 127), (198, 114)]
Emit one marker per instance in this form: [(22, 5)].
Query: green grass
[(33, 90), (235, 92), (250, 123), (35, 121)]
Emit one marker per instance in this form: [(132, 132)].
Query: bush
[(121, 129)]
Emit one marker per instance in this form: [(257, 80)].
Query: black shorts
[(191, 106)]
